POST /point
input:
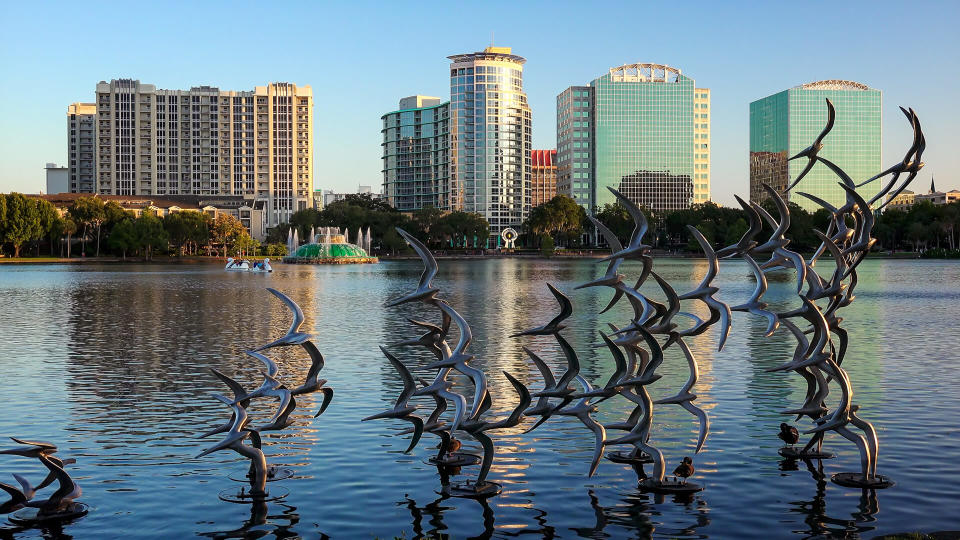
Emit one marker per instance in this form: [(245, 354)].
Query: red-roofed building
[(543, 176)]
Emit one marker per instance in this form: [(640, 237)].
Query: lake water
[(112, 364)]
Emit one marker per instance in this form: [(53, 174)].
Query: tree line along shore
[(33, 228)]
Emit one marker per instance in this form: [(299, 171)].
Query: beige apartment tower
[(206, 141), (701, 145), (81, 140)]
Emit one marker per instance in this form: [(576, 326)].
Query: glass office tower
[(783, 124), (416, 163), (490, 139), (643, 129)]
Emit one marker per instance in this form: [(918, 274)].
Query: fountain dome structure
[(329, 245)]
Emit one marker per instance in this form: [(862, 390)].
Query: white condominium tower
[(206, 141), (490, 137)]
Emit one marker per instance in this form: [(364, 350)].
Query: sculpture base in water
[(790, 452), (273, 474), (629, 457), (856, 480), (243, 495), (670, 486), (472, 490), (33, 516), (455, 459)]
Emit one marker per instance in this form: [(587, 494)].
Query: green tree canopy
[(89, 213), (23, 223)]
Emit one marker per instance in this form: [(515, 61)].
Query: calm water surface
[(112, 363)]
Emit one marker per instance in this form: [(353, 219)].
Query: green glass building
[(783, 124), (643, 129), (416, 150)]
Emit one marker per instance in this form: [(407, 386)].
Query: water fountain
[(333, 249)]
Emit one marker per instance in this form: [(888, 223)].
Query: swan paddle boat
[(244, 265)]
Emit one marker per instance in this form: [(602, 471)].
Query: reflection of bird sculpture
[(402, 410)]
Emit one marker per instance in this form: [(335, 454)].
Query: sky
[(362, 57)]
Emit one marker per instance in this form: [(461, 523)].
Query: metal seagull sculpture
[(402, 410), (777, 243), (425, 291), (239, 396), (234, 441), (562, 388), (754, 305), (18, 496), (705, 291), (543, 405), (555, 325), (611, 278), (811, 151), (635, 249), (313, 382), (478, 428), (293, 336), (746, 242), (458, 359), (685, 396), (582, 411)]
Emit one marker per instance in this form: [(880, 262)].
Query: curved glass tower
[(490, 137)]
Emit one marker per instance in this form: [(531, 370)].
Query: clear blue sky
[(361, 57)]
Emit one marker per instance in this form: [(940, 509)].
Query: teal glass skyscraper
[(643, 129), (490, 138), (783, 124), (416, 150)]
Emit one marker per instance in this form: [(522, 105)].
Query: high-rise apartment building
[(81, 139), (490, 137), (643, 129), (783, 124), (543, 176), (206, 141), (416, 154)]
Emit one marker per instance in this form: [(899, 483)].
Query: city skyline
[(741, 54)]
